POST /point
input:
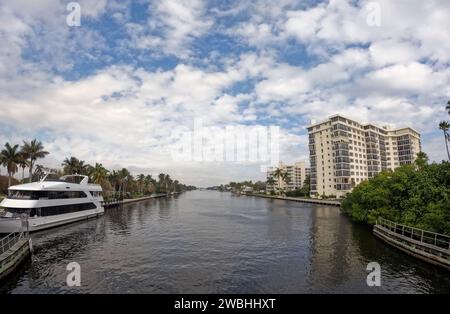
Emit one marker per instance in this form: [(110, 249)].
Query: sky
[(125, 85)]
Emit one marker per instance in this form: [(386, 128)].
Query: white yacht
[(49, 203)]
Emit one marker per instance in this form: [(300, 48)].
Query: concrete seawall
[(134, 200), (298, 199)]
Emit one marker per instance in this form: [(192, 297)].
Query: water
[(211, 242)]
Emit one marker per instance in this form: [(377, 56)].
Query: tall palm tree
[(149, 182), (124, 175), (34, 150), (167, 183), (286, 178), (270, 182), (161, 178), (10, 158), (99, 173), (141, 182), (114, 180), (23, 163), (176, 186), (279, 173), (445, 126)]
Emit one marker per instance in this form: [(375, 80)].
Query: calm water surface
[(211, 242)]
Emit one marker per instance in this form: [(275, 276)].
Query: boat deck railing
[(10, 240), (426, 237)]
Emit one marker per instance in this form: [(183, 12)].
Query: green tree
[(412, 195), (99, 173), (141, 182), (23, 163), (444, 126), (10, 158), (124, 175), (279, 174), (270, 182), (38, 171), (34, 150), (421, 160), (73, 165)]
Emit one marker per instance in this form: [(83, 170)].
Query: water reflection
[(210, 242)]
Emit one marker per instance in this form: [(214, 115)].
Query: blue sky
[(121, 86)]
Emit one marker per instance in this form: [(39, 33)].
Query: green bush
[(418, 197)]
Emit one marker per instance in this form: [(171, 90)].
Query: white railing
[(10, 240), (423, 236)]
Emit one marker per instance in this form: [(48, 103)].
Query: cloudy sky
[(115, 89)]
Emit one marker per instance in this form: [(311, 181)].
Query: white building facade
[(296, 174), (344, 152)]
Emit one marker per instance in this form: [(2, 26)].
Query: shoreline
[(134, 200), (298, 199)]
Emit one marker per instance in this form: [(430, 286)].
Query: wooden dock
[(14, 249), (299, 199), (428, 246)]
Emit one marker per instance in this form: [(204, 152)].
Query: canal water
[(212, 242)]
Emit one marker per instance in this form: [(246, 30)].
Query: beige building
[(296, 173), (344, 152)]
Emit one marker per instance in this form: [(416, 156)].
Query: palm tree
[(99, 173), (285, 177), (445, 126), (124, 175), (39, 171), (161, 178), (149, 181), (74, 165), (168, 183), (279, 173), (141, 181), (23, 163), (33, 150), (270, 182), (448, 107), (421, 160), (10, 158), (176, 186)]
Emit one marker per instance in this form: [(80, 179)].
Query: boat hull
[(8, 225)]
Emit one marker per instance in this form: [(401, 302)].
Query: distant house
[(247, 190)]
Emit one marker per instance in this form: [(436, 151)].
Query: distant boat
[(49, 203)]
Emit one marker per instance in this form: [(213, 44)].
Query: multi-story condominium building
[(296, 174), (344, 152)]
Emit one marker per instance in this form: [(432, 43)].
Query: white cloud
[(125, 115)]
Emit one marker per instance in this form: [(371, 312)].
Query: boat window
[(73, 179), (15, 212), (52, 177), (97, 193), (20, 195), (48, 211), (36, 195)]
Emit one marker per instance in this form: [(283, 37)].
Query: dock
[(14, 249), (430, 247), (299, 199)]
